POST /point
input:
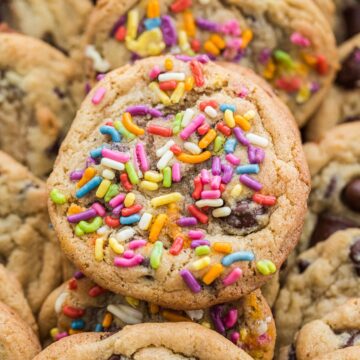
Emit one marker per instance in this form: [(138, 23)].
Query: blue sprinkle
[(109, 130), (152, 23), (78, 324), (230, 145), (224, 107), (95, 153), (237, 256), (90, 185), (248, 169), (128, 220), (98, 328)]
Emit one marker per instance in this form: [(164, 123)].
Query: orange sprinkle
[(153, 308), (211, 48), (168, 63), (247, 36), (108, 318), (74, 209), (189, 23), (218, 41), (213, 273), (130, 126), (222, 247), (194, 159), (242, 122), (153, 9), (73, 332), (89, 173), (157, 226), (207, 139), (173, 316), (189, 83)]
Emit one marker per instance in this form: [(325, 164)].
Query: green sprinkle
[(79, 231), (112, 192), (88, 227), (218, 143), (177, 123), (266, 267), (123, 131), (156, 254), (129, 167), (167, 177), (57, 197), (202, 250), (284, 58)]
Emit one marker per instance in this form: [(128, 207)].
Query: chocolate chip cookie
[(36, 100), (167, 341), (186, 197), (288, 43), (324, 277), (81, 305)]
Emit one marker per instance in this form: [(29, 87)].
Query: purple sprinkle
[(134, 57), (251, 183), (99, 77), (190, 280), (215, 313), (357, 55), (228, 173), (264, 56), (216, 166), (240, 136), (137, 110), (202, 58), (85, 215), (76, 174), (78, 275), (168, 30), (155, 112), (187, 221), (255, 155), (205, 24), (195, 243), (90, 161), (184, 58), (118, 23), (314, 87), (87, 87), (117, 210)]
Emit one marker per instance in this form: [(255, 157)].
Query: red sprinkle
[(96, 291), (194, 211), (180, 5), (211, 103), (109, 123), (289, 84), (222, 187), (177, 246), (176, 149), (120, 33), (125, 182), (195, 45), (267, 200), (223, 128), (72, 284), (159, 130), (203, 129), (131, 210), (72, 312), (112, 222), (198, 187), (322, 66), (168, 85), (196, 70)]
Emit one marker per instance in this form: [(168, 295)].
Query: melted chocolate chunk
[(349, 75), (352, 20), (328, 224), (303, 265), (352, 118), (355, 255), (292, 353), (351, 195)]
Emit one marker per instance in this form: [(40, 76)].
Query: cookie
[(271, 289), (36, 100), (351, 353), (324, 277), (147, 341), (338, 329), (58, 22), (342, 103), (248, 322), (176, 220), (17, 340), (28, 247), (294, 51), (334, 165)]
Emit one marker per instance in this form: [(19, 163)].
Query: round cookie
[(289, 43), (351, 353), (205, 238), (324, 277), (28, 246), (248, 322), (167, 341), (58, 22), (342, 102), (17, 340), (36, 100)]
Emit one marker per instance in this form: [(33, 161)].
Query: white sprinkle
[(257, 140), (195, 314), (177, 76), (112, 164), (209, 110), (188, 115), (221, 212), (161, 151), (145, 221), (192, 148), (126, 313), (125, 234), (60, 302), (164, 160), (99, 63), (103, 230), (108, 174), (210, 202)]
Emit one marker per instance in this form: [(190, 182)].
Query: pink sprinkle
[(205, 177), (234, 43), (135, 160), (235, 336), (231, 318), (99, 209), (115, 155), (135, 244), (117, 200), (244, 92), (128, 254), (211, 194), (154, 73), (300, 40), (232, 159), (99, 95), (176, 172), (264, 339), (191, 128), (233, 277), (196, 234), (61, 335), (141, 155), (122, 262), (215, 182)]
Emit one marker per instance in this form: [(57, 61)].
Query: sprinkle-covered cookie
[(166, 341), (81, 306), (180, 182), (288, 43)]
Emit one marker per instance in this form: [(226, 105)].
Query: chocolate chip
[(303, 265), (292, 353), (349, 75), (352, 338), (328, 224), (355, 255), (352, 118), (352, 20), (331, 187), (351, 195), (115, 357)]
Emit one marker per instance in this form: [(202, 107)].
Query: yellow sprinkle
[(153, 308), (236, 191), (153, 176), (161, 94), (99, 249), (153, 9), (115, 246), (189, 83), (73, 332), (269, 70), (157, 226), (74, 209), (206, 324), (249, 115), (107, 320), (247, 36), (222, 247), (132, 301), (229, 118), (243, 334), (103, 188), (201, 263), (213, 274), (149, 185), (168, 63), (54, 332), (173, 316), (149, 43), (178, 93), (183, 41), (132, 24), (211, 48), (303, 95), (189, 23), (242, 122), (207, 139), (129, 199), (218, 41), (166, 199)]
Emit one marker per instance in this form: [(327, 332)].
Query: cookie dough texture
[(28, 246), (168, 341), (17, 339), (36, 99), (272, 24), (284, 174), (324, 277), (342, 102)]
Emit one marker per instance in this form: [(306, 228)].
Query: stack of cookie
[(182, 208)]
